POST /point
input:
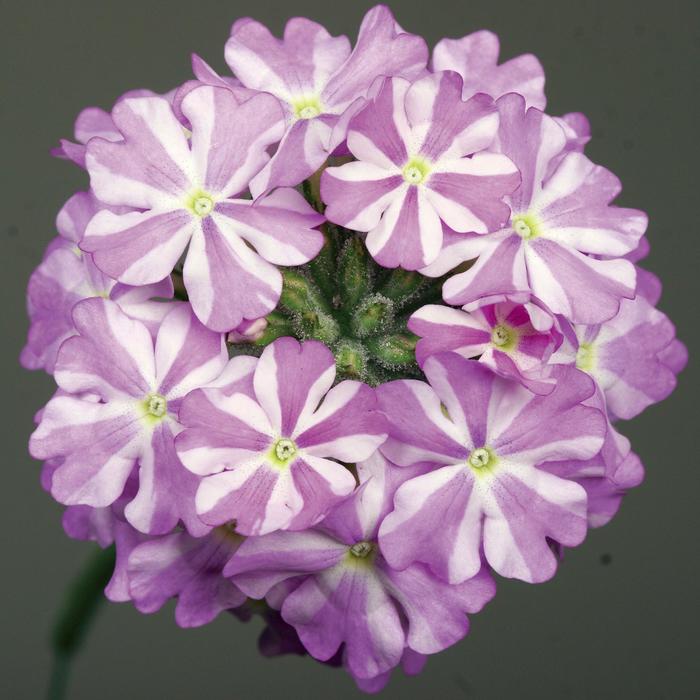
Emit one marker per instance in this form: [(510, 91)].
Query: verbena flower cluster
[(345, 332)]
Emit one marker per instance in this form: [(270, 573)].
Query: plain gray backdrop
[(620, 620)]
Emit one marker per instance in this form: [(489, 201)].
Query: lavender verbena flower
[(140, 386), (420, 164), (502, 336), (459, 247), (66, 275), (320, 82), (340, 589), (558, 222), (184, 189), (485, 488), (270, 455), (607, 476), (634, 357), (183, 567), (475, 58)]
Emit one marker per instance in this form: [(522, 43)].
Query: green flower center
[(585, 357), (200, 203), (526, 226), (481, 459), (282, 452), (307, 107), (361, 554), (415, 171), (361, 549), (503, 337), (154, 407)]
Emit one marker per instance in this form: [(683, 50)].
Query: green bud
[(351, 360), (278, 326), (354, 278), (300, 294), (429, 293), (374, 313), (317, 324), (400, 285), (393, 350), (323, 266)]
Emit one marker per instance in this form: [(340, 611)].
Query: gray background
[(625, 629)]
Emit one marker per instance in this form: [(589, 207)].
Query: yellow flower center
[(200, 203), (361, 554), (585, 357), (361, 549), (504, 337), (482, 460), (526, 226), (415, 171), (154, 408), (282, 452), (307, 107)]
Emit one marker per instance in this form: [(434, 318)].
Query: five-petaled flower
[(271, 456), (485, 437), (421, 163), (561, 218), (118, 410), (342, 590), (185, 192)]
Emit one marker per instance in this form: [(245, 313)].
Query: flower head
[(631, 356), (475, 58), (501, 336), (67, 275), (320, 81)]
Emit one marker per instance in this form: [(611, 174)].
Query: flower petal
[(290, 380), (152, 167), (112, 356), (280, 226), (475, 58), (139, 247), (230, 138), (348, 425), (226, 280), (187, 354)]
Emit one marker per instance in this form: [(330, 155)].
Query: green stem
[(80, 604), (58, 682)]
